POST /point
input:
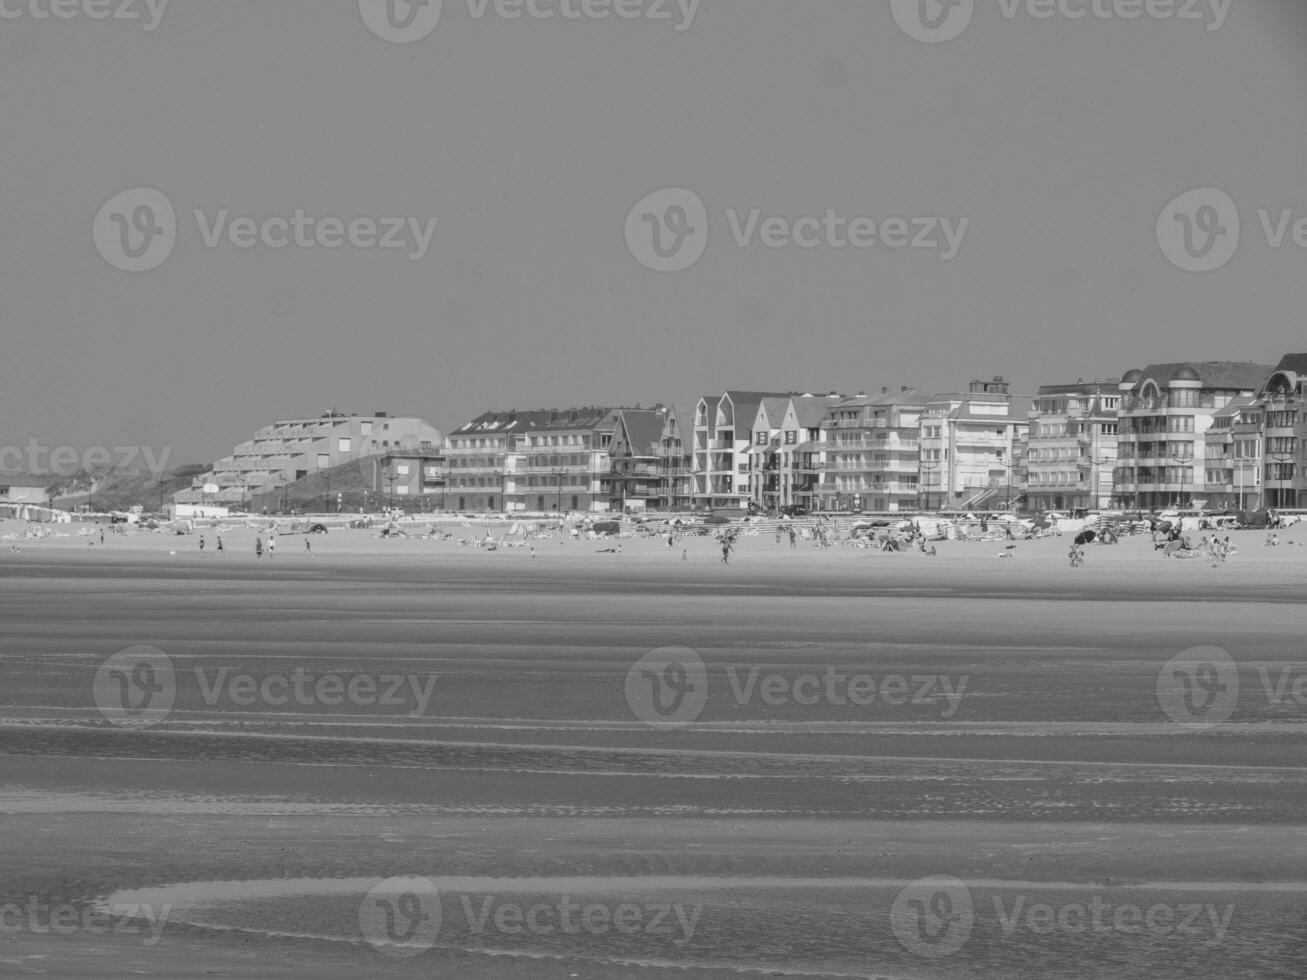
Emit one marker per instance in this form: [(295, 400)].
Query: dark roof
[(1297, 363), (644, 430), (1227, 375), (811, 410), (570, 419), (1132, 376), (495, 422)]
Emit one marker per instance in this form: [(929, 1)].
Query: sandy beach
[(869, 720)]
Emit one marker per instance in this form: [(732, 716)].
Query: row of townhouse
[(1213, 434)]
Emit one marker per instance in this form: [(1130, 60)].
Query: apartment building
[(973, 447), (485, 461), (1071, 453), (292, 449), (1285, 434), (1166, 411), (636, 477), (778, 468), (723, 435), (676, 457), (872, 458), (566, 465), (1232, 456)]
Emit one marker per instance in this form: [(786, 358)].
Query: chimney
[(884, 389)]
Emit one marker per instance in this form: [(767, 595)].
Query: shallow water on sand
[(1086, 832)]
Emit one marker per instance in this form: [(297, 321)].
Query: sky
[(564, 161)]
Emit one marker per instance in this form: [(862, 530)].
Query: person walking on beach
[(258, 547), (794, 539), (201, 542), (726, 551), (272, 545), (101, 535), (307, 546), (219, 542)]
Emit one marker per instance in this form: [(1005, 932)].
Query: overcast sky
[(1051, 146)]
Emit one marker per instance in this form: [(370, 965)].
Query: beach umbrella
[(1085, 537)]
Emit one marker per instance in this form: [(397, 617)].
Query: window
[(1280, 471), (791, 438), (402, 489), (365, 428), (1282, 446), (342, 444), (402, 469)]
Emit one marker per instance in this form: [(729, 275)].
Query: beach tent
[(1254, 518)]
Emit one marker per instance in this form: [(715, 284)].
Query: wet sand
[(1025, 754)]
